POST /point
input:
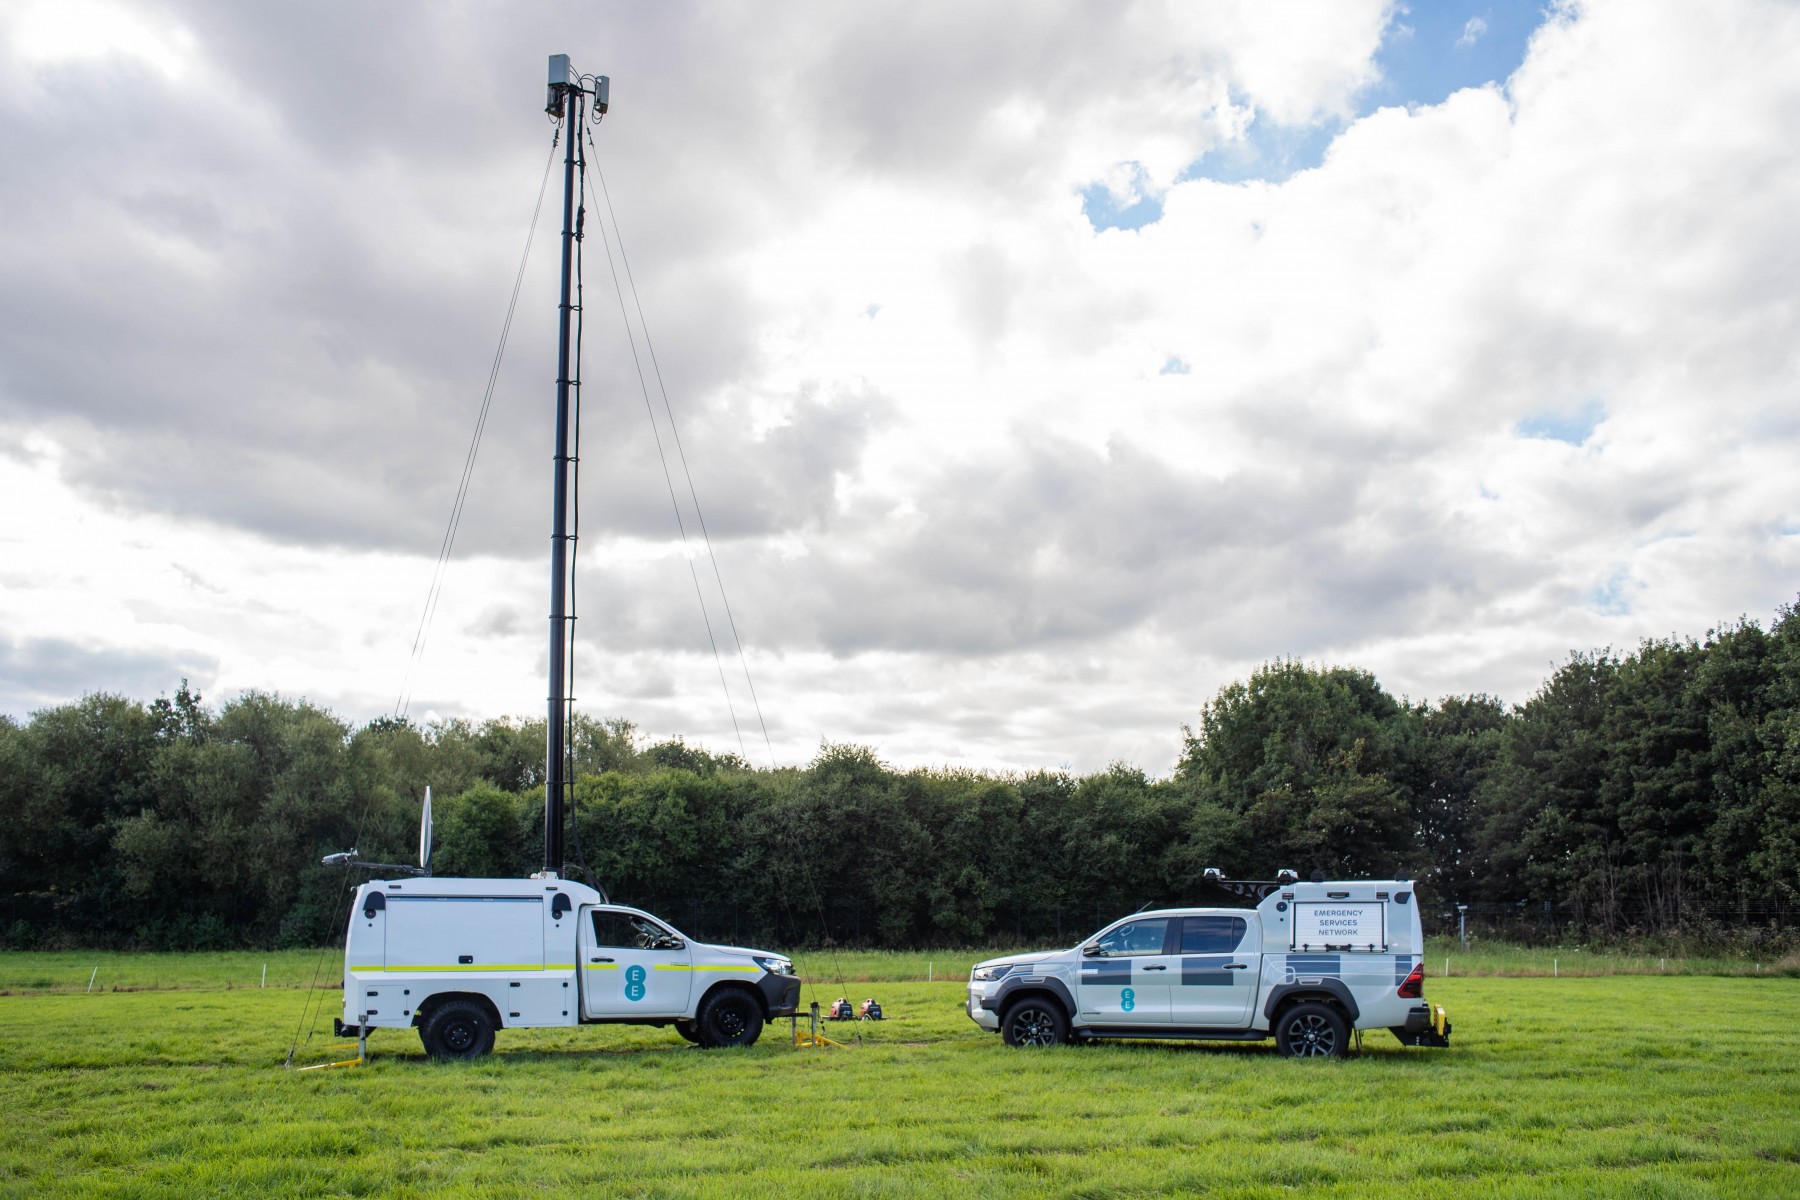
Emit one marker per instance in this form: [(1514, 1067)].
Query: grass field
[(1604, 1086), (107, 970)]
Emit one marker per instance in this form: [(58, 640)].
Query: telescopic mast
[(567, 100)]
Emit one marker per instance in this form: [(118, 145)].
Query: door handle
[(599, 960), (1155, 968), (1237, 966)]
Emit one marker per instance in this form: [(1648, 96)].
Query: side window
[(652, 936), (1136, 937), (1211, 935), (628, 931), (611, 929)]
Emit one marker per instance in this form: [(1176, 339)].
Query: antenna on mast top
[(564, 78)]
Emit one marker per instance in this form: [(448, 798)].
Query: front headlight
[(989, 974), (774, 966)]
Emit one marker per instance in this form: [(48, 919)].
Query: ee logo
[(634, 983), (1127, 999)]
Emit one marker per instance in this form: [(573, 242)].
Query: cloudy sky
[(1042, 367)]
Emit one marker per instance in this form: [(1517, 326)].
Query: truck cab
[(1310, 964), (460, 959)]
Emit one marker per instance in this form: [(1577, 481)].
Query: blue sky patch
[(1269, 151), (1104, 211), (1433, 49), (1175, 366), (1429, 50), (1609, 598), (1574, 426)]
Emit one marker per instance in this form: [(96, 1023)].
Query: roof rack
[(1250, 889)]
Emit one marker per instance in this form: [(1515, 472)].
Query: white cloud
[(1473, 31), (968, 510), (46, 33)]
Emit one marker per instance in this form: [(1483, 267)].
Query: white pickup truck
[(461, 958), (1311, 963)]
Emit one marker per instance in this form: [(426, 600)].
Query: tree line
[(1643, 792)]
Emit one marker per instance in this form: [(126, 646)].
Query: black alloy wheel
[(459, 1029), (1313, 1030), (729, 1017), (1034, 1022)]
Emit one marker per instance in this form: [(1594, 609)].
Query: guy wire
[(468, 471), (680, 452), (437, 581), (680, 524)]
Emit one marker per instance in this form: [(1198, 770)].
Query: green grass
[(846, 970), (1502, 959), (23, 972), (1624, 1086)]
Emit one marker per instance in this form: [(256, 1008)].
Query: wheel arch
[(422, 1012), (1010, 992), (1056, 996), (1329, 991), (731, 985)]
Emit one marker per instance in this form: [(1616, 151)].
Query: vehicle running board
[(1151, 1034)]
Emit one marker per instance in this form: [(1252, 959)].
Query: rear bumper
[(1426, 1025)]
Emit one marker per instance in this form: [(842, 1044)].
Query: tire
[(687, 1031), (1035, 1021), (729, 1017), (457, 1029), (1312, 1029)]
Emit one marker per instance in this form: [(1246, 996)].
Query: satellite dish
[(425, 834)]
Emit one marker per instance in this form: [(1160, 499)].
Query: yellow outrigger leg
[(361, 1046), (812, 1037)]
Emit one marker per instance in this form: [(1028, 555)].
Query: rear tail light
[(1414, 987)]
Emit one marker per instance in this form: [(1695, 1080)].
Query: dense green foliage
[(1588, 1087), (1652, 791)]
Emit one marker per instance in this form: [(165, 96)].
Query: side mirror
[(670, 943), (1092, 950)]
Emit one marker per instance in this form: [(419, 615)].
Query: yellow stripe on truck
[(590, 966), (478, 967)]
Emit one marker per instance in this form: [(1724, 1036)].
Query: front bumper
[(982, 1009), (781, 993)]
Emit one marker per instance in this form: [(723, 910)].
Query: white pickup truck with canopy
[(462, 958), (1310, 964)]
